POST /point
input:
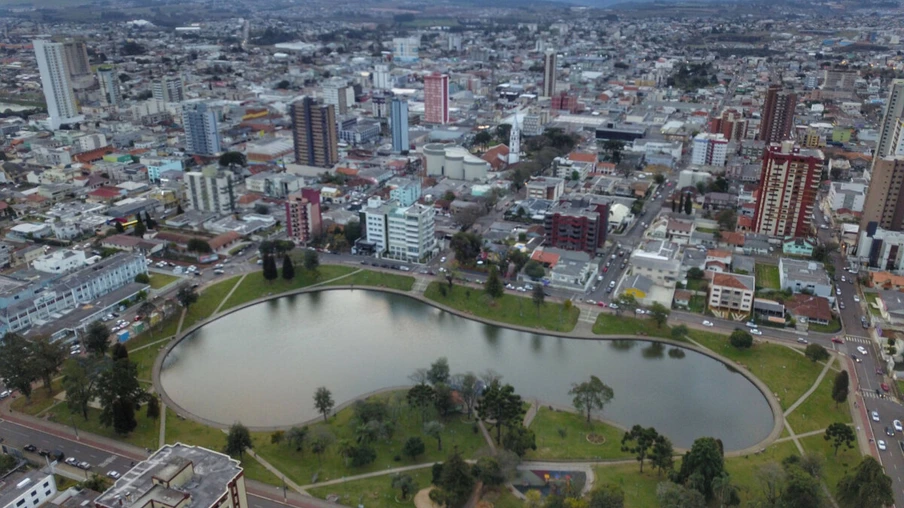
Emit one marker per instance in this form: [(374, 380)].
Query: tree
[(413, 447), (140, 229), (727, 219), (638, 441), (625, 302), (488, 471), (801, 490), (501, 407), (119, 352), (434, 429), (268, 268), (455, 482), (590, 395), (277, 437), (47, 358), (741, 339), (538, 295), (439, 371), (533, 499), (659, 314), (816, 353), (319, 441), (466, 246), (725, 491), (679, 332), (362, 455), (703, 463), (771, 478), (153, 408), (237, 440), (866, 486), (323, 402), (421, 397), (840, 434), (674, 205), (119, 393), (493, 286), (311, 260), (148, 221), (442, 399), (97, 338), (468, 390), (143, 278), (519, 439), (119, 227), (482, 138), (198, 245), (534, 270), (186, 297), (296, 438), (79, 382), (405, 483), (662, 457), (288, 269), (672, 495), (840, 387), (695, 273), (689, 205), (232, 159), (608, 495)]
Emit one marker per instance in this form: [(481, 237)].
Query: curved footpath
[(767, 393)]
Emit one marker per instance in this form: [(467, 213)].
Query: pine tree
[(494, 285), (269, 266), (689, 205), (674, 205), (288, 269)]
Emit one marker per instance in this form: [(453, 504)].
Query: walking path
[(805, 434), (226, 298), (276, 472), (812, 389)]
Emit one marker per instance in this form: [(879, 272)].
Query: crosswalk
[(859, 340), (587, 316), (871, 394)]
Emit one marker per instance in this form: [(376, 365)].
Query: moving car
[(837, 340), (885, 387), (754, 331), (707, 323), (898, 426), (802, 340), (881, 444), (862, 350), (889, 431), (751, 324), (30, 448), (874, 415)]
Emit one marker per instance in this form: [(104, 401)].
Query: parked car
[(613, 306), (885, 387), (881, 444), (30, 448), (113, 474), (707, 323), (72, 461), (84, 465), (874, 415)]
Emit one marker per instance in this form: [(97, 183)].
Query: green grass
[(786, 373), (833, 326), (193, 433), (639, 488), (40, 399), (551, 445), (255, 286), (145, 435), (208, 301), (255, 471), (159, 280), (301, 466), (707, 230), (767, 276), (697, 304), (376, 492), (376, 279), (819, 410), (427, 22), (834, 467), (511, 309), (871, 300), (696, 285), (501, 497), (611, 324), (743, 470)]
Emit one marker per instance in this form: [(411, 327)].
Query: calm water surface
[(261, 366)]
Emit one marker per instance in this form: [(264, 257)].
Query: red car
[(601, 304), (884, 387), (605, 269), (837, 340)]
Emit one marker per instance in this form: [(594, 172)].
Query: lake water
[(261, 366)]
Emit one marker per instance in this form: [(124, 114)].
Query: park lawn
[(159, 280), (551, 445), (145, 435), (833, 326), (787, 373), (819, 410), (639, 488), (255, 286), (376, 279), (516, 310), (743, 470), (871, 300), (208, 301), (190, 432), (611, 324), (254, 470), (157, 333), (301, 466), (834, 467), (40, 399), (376, 492), (767, 276)]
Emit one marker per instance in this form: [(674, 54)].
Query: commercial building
[(274, 185), (405, 191), (778, 115), (201, 132), (178, 476), (314, 133), (658, 261), (55, 81), (381, 77), (303, 218), (454, 162), (109, 85), (60, 261), (436, 98), (545, 187), (338, 94), (847, 196), (881, 249), (402, 232), (579, 227), (157, 166), (804, 275), (788, 188), (398, 120), (27, 490), (839, 79), (405, 49), (884, 202), (211, 190), (168, 89), (709, 149), (731, 295), (549, 73)]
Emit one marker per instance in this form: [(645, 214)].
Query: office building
[(27, 490), (380, 104), (577, 228), (315, 133), (549, 73), (436, 98), (77, 58), (109, 86), (405, 49), (337, 93), (709, 149), (891, 122), (406, 233), (881, 249), (884, 203), (179, 476), (202, 136), (168, 89), (778, 115), (399, 123), (303, 219), (381, 77), (211, 190), (788, 187), (61, 105)]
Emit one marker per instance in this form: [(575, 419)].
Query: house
[(567, 269), (891, 306), (802, 247), (769, 310), (886, 280), (731, 295), (224, 241), (131, 243), (718, 260), (719, 201), (682, 298), (756, 245), (744, 265), (680, 231), (804, 276), (497, 157), (809, 309)]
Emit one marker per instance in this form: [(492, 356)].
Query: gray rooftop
[(804, 271), (894, 301), (16, 484)]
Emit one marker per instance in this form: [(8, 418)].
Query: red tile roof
[(93, 155), (106, 192), (813, 307), (582, 157), (729, 281)]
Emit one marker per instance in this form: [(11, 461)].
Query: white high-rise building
[(405, 49), (382, 77), (894, 111), (201, 132), (109, 85), (709, 149), (339, 94), (168, 89), (211, 190), (400, 232), (61, 105), (514, 155)]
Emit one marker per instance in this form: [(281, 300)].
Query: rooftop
[(17, 484)]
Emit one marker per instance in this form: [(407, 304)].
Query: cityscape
[(545, 254)]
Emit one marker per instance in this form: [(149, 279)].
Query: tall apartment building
[(730, 124), (787, 193), (77, 58), (401, 232), (337, 93), (405, 49), (315, 133), (211, 190), (778, 115), (61, 105), (168, 89), (581, 229), (436, 98), (379, 104), (109, 86), (884, 202), (381, 77), (891, 121), (202, 135), (303, 218), (709, 149), (399, 123), (549, 73)]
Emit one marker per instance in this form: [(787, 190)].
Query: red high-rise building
[(303, 219), (730, 124), (778, 115), (436, 98), (565, 102), (581, 229), (788, 187)]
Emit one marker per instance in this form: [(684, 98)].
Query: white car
[(707, 323), (862, 350), (113, 474), (856, 298), (881, 444), (613, 306), (72, 461), (4, 394), (754, 331), (898, 426), (751, 324), (591, 302), (874, 415)]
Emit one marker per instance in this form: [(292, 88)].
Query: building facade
[(168, 89), (894, 111), (577, 229), (881, 249), (709, 149), (436, 98), (303, 218), (211, 190), (731, 293), (399, 122), (381, 77), (109, 86), (411, 233), (77, 58), (202, 135), (549, 73), (787, 193), (405, 49), (27, 490), (61, 105), (315, 133), (778, 115), (884, 202)]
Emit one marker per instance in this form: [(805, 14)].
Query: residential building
[(804, 276), (787, 193), (314, 133), (839, 79), (303, 218), (800, 246), (809, 309), (567, 269), (890, 305), (436, 98), (732, 125), (398, 120), (405, 49), (380, 104), (411, 232), (680, 231), (89, 142), (731, 295), (168, 89), (549, 73), (847, 196), (580, 228), (659, 261), (157, 166), (884, 203), (406, 192), (375, 225), (55, 81), (60, 261), (211, 190), (109, 86), (274, 185), (894, 112), (778, 115), (202, 136), (881, 249), (709, 149), (77, 61), (382, 79), (177, 476), (30, 489), (545, 187), (338, 94)]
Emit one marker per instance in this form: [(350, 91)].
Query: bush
[(741, 339), (143, 278), (562, 432)]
